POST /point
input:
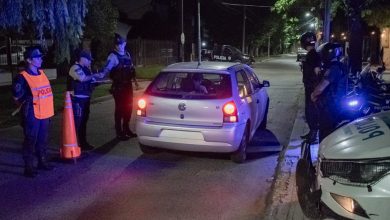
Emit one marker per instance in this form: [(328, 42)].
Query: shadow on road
[(263, 144)]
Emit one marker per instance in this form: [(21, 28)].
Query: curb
[(284, 201)]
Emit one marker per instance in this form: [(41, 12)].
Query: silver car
[(211, 107)]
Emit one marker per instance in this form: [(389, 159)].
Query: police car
[(352, 174)]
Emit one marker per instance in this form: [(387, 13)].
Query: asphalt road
[(116, 181)]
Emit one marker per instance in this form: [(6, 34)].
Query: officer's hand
[(99, 75), (313, 97)]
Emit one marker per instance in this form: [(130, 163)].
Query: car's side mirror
[(266, 83)]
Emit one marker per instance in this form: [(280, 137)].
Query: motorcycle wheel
[(308, 198)]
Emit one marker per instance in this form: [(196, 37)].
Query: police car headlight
[(372, 172), (246, 57), (363, 172)]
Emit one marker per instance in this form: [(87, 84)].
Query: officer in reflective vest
[(32, 91), (122, 73), (82, 84)]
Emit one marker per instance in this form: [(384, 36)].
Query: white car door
[(246, 93), (260, 95)]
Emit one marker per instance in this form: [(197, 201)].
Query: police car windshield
[(185, 85)]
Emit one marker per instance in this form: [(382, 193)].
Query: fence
[(152, 52)]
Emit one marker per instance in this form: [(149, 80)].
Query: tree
[(101, 22), (61, 20)]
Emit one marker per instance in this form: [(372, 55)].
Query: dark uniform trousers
[(328, 121), (311, 110), (35, 134), (81, 116), (123, 97)]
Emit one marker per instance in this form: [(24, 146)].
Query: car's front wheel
[(148, 149), (308, 197), (239, 156)]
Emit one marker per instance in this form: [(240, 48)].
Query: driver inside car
[(198, 87)]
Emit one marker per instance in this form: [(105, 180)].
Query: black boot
[(129, 134), (311, 137), (305, 136), (29, 170), (44, 165)]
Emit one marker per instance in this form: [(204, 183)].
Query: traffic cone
[(70, 148)]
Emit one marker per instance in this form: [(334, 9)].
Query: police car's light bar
[(353, 103)]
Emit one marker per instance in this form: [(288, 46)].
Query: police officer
[(311, 68), (122, 73), (329, 92), (33, 94), (82, 86)]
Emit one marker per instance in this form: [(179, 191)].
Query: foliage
[(63, 20), (290, 30), (378, 14), (281, 6), (101, 23)]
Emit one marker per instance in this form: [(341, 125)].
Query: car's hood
[(367, 137)]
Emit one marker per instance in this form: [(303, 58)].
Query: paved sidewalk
[(285, 204)]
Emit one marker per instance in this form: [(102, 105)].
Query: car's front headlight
[(357, 172), (246, 57)]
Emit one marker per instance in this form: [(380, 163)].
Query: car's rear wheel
[(239, 156), (263, 124), (148, 149)]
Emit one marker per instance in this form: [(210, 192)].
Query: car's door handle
[(257, 101)]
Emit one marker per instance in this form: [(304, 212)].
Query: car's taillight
[(230, 112), (141, 107)]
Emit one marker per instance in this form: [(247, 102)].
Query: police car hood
[(364, 138)]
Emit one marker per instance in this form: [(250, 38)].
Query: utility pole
[(355, 35), (244, 17), (269, 45), (182, 37), (199, 41), (326, 31), (243, 29)]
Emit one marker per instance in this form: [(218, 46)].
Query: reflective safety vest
[(42, 94)]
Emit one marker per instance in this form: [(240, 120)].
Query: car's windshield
[(191, 85)]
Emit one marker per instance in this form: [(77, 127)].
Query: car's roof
[(206, 66)]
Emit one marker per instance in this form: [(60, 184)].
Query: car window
[(253, 78), (243, 84), (227, 52), (191, 85), (16, 49), (3, 50)]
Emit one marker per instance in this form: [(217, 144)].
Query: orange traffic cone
[(70, 148)]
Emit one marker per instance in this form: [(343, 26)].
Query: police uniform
[(329, 101), (310, 81), (82, 88), (33, 91), (122, 73)]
